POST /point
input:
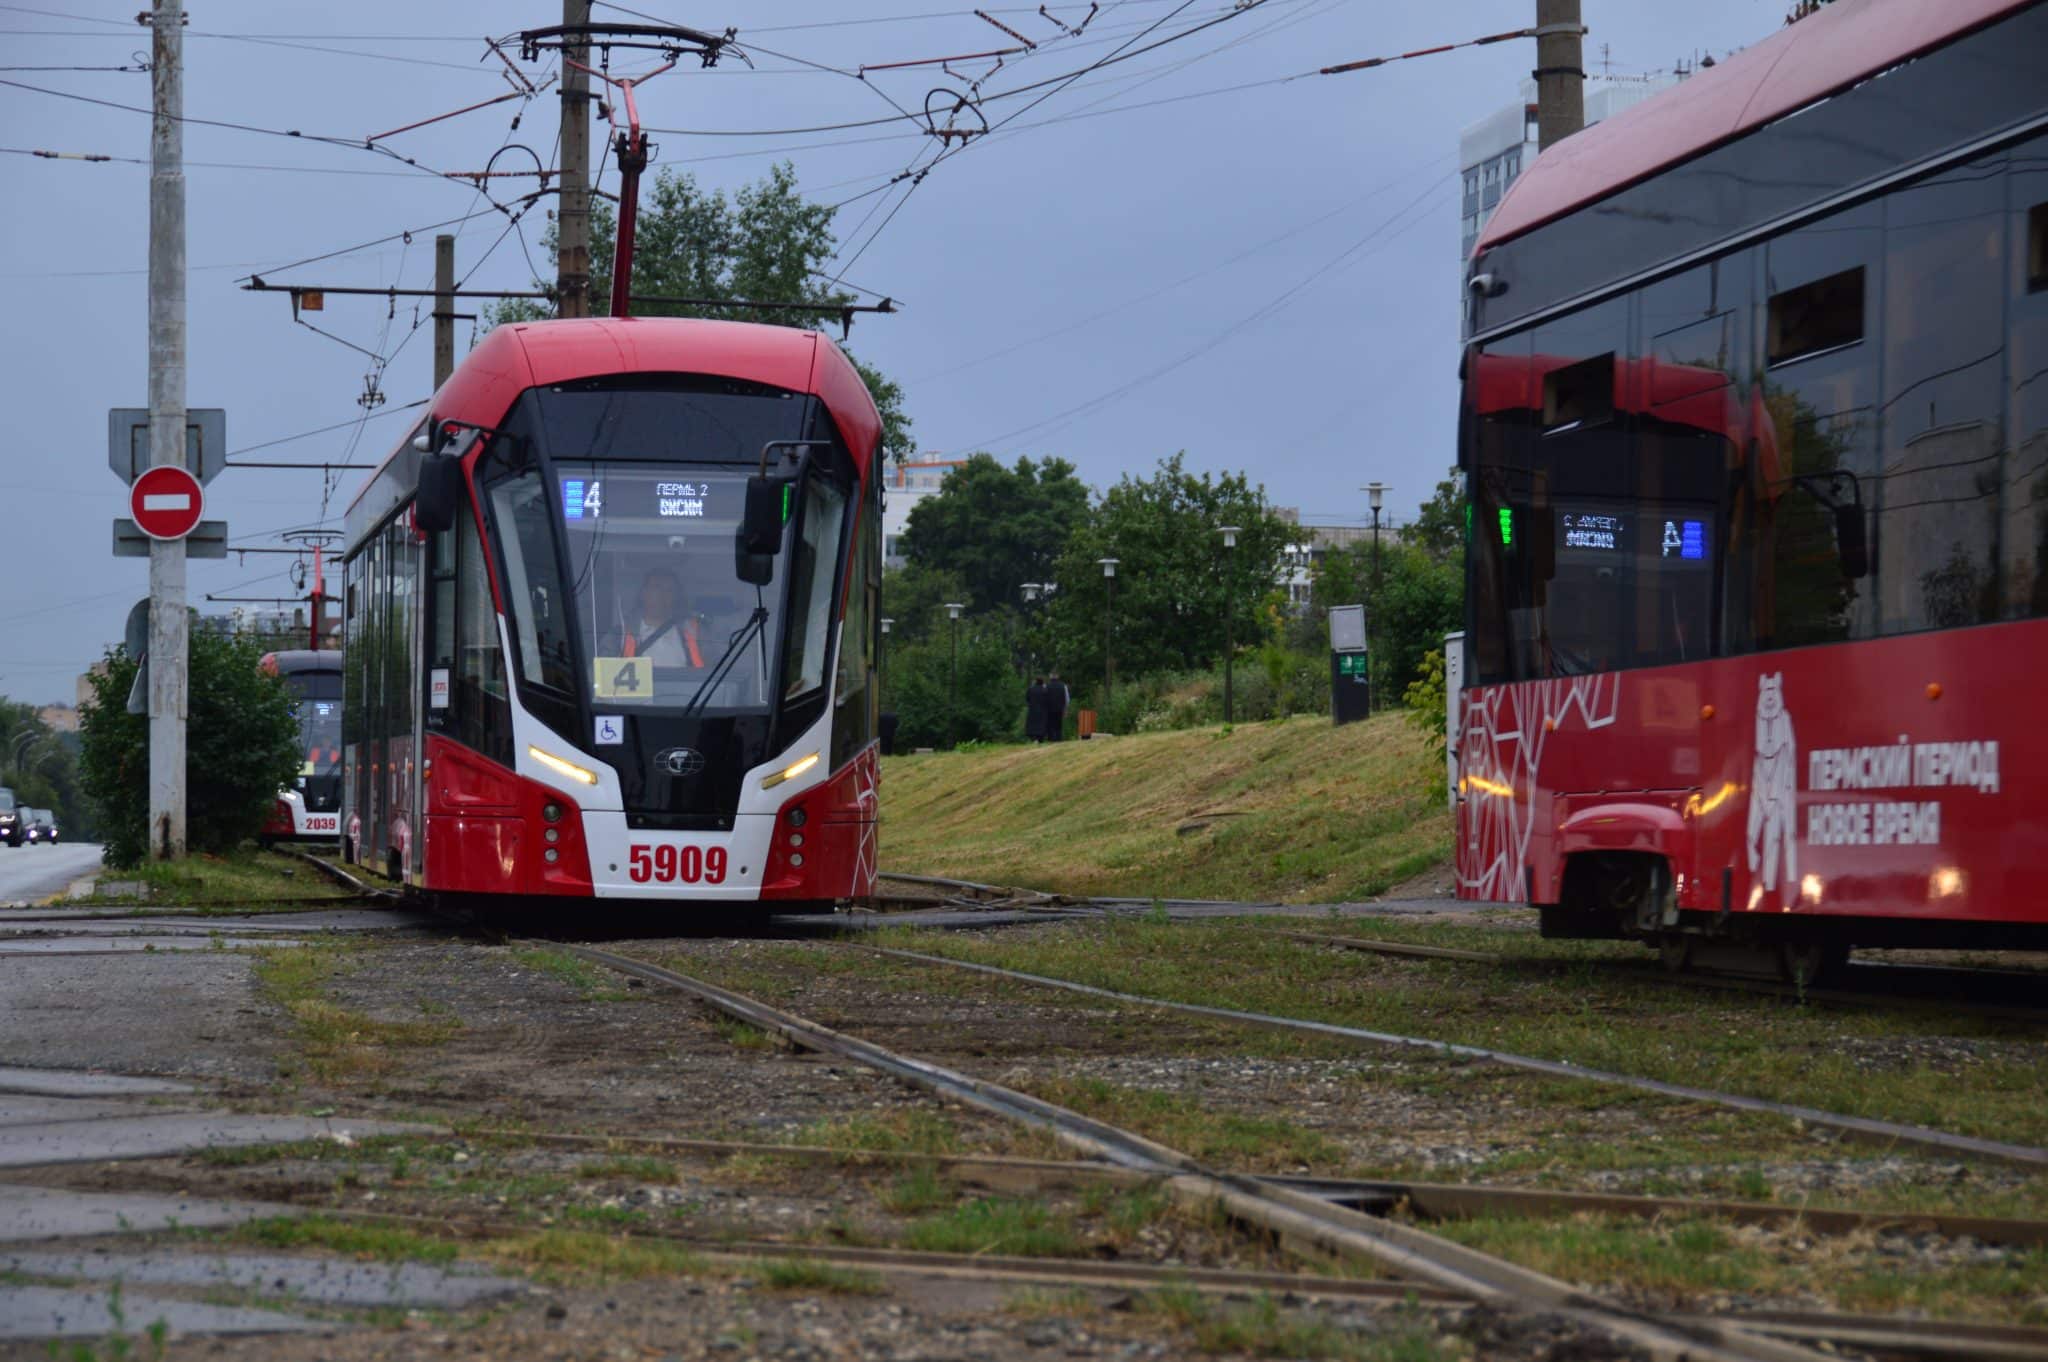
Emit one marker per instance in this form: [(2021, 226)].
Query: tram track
[(1950, 1001), (1307, 1220), (1889, 1133)]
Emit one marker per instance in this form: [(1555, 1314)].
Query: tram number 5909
[(667, 864)]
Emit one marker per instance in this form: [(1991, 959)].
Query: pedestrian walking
[(1056, 697), (1034, 710)]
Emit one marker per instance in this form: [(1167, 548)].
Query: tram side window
[(2025, 525), (1935, 506), (539, 616), (856, 706), (482, 701), (814, 572), (1819, 392)]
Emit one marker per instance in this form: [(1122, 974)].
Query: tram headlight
[(789, 772), (567, 768)]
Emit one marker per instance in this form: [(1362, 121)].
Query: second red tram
[(1753, 436), (611, 622)]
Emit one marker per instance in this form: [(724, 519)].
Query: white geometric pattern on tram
[(868, 772), (1501, 741)]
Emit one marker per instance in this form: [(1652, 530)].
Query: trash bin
[(1084, 723)]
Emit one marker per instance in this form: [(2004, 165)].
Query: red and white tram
[(309, 809), (611, 622), (1755, 436)]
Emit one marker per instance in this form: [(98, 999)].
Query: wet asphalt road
[(30, 874)]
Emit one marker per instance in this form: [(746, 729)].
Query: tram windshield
[(664, 616)]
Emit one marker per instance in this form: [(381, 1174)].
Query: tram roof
[(1823, 54), (522, 355)]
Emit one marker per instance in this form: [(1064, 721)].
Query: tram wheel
[(1806, 964), (1675, 950)]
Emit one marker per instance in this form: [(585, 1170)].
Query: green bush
[(991, 693), (242, 747), (1427, 698)]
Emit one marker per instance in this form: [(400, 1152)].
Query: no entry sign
[(166, 502)]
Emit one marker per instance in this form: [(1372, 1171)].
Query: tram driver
[(659, 636)]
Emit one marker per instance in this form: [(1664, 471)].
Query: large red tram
[(611, 621), (1755, 436)]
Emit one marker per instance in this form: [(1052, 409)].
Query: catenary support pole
[(572, 255), (168, 627), (444, 309), (1560, 71)]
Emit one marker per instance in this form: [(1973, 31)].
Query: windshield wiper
[(756, 622)]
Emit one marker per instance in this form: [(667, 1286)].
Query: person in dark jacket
[(1034, 710), (1056, 697)]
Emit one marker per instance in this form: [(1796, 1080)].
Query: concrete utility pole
[(168, 629), (1560, 71), (444, 308), (572, 230)]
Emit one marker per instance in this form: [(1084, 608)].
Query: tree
[(996, 528), (914, 598), (41, 766), (1439, 528), (990, 692), (242, 748), (766, 244), (1175, 580)]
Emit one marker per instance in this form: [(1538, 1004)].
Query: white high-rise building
[(1493, 151)]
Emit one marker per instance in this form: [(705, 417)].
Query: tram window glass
[(440, 619), (855, 704), (1823, 415), (814, 572), (2025, 526), (481, 701), (1935, 502), (534, 596), (655, 585)]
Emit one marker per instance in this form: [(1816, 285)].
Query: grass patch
[(337, 1042), (1263, 1329), (1265, 1143), (810, 1275), (592, 983), (1691, 1258), (913, 1129), (366, 1240), (1317, 813), (586, 1255), (919, 1190), (746, 1036), (628, 1168), (994, 1225), (1043, 1303), (249, 876)]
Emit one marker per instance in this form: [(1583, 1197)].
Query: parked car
[(11, 831)]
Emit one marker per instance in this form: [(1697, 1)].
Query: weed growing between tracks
[(1263, 1329), (593, 983), (338, 1043)]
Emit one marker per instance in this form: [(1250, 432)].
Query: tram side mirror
[(440, 493), (761, 522), (1851, 540)]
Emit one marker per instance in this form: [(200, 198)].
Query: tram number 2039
[(666, 864)]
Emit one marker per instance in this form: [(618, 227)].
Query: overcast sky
[(1265, 277)]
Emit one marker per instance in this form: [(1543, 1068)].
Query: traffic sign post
[(166, 502)]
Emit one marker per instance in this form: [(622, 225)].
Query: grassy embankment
[(1293, 810)]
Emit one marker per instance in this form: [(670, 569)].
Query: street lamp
[(882, 665), (1108, 627), (953, 609), (1376, 492), (1229, 533)]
